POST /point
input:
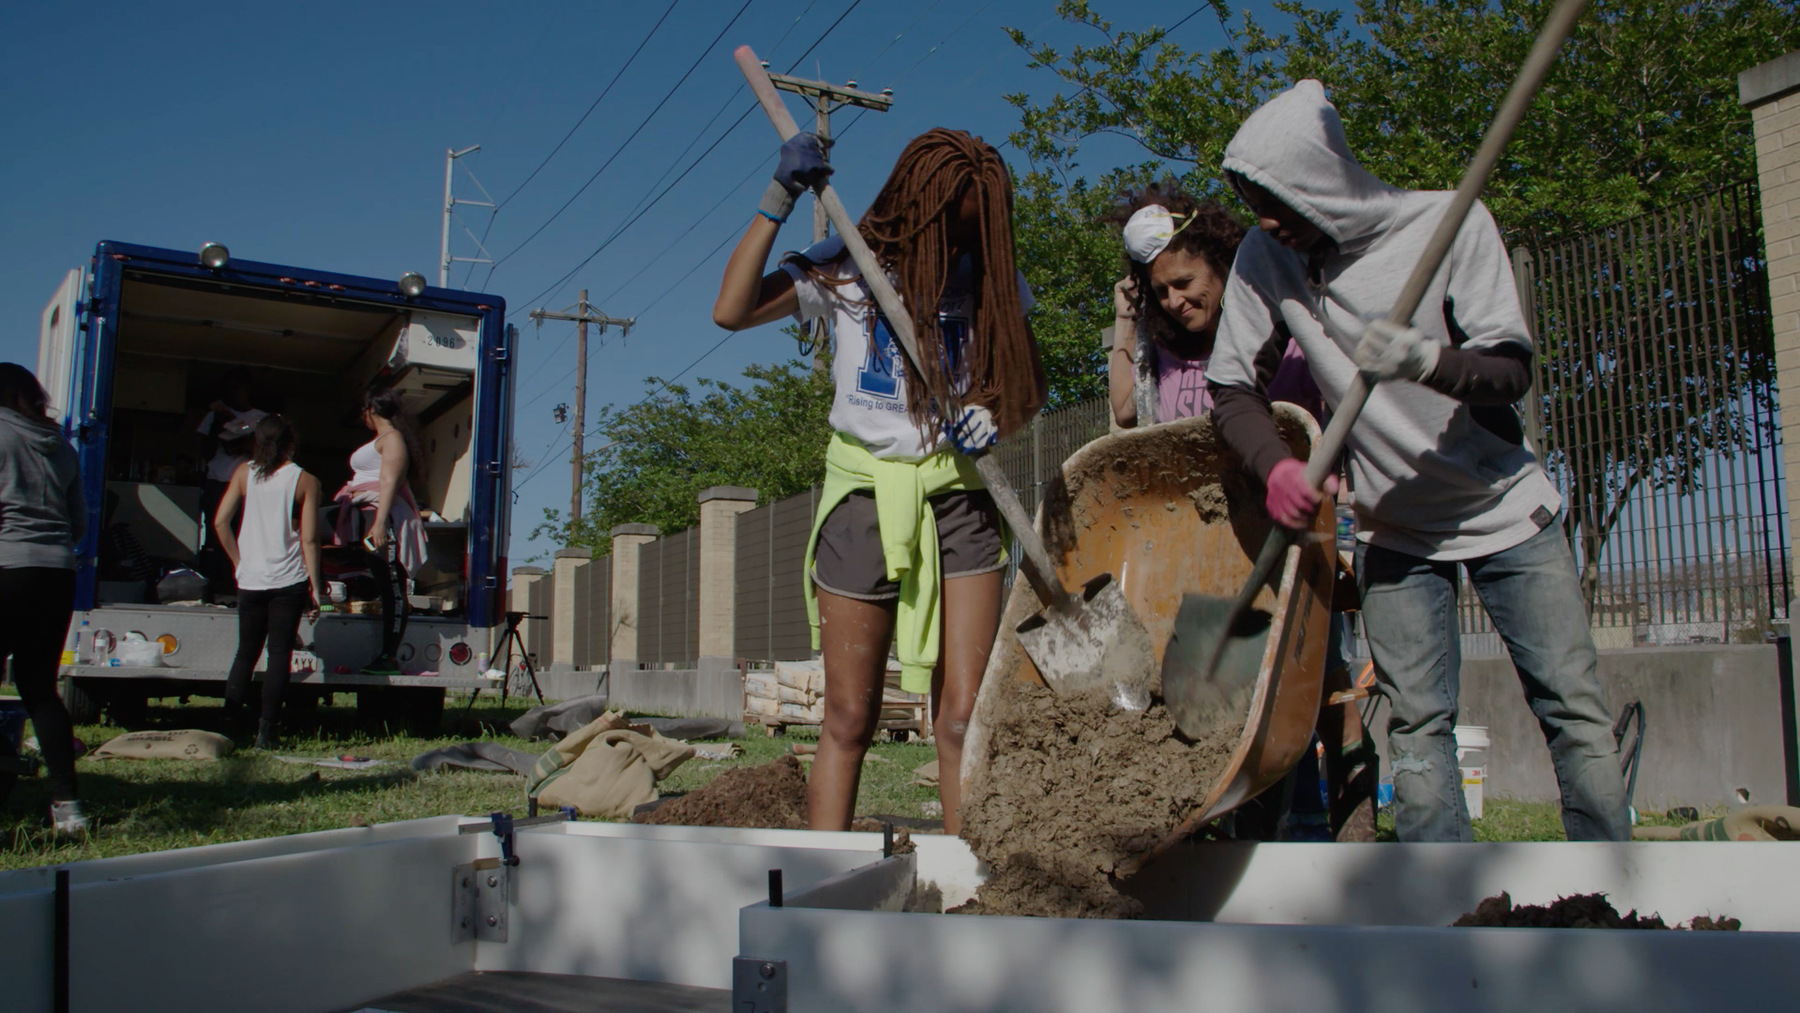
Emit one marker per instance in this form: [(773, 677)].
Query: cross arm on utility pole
[(582, 314)]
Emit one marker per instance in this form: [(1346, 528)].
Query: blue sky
[(315, 134)]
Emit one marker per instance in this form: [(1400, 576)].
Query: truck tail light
[(460, 653), (170, 645)]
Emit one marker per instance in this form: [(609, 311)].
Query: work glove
[(1395, 352), (974, 432), (802, 167), (1290, 501)]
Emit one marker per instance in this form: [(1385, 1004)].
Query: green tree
[(1640, 111), (768, 434)]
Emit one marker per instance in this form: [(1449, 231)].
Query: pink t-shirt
[(1181, 384)]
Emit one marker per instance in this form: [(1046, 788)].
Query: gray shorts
[(847, 560)]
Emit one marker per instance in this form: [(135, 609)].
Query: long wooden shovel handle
[(1037, 566), (1512, 109)]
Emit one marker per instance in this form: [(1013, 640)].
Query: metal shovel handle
[(1037, 567)]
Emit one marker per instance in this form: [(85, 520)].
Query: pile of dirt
[(1069, 788), (1582, 911), (772, 796)]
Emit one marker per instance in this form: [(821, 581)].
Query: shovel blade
[(1095, 639), (1199, 700)]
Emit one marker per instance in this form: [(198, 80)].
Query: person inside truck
[(227, 435), (42, 517), (376, 508), (275, 555)]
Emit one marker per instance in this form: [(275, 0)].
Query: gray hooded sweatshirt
[(1440, 467), (42, 513)]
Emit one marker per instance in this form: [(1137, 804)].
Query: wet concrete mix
[(1071, 787), (1581, 911)]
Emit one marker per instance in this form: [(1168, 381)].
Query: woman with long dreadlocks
[(907, 544)]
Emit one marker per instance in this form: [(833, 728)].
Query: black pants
[(35, 606), (390, 588), (274, 617)]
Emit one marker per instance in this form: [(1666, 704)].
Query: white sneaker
[(67, 819)]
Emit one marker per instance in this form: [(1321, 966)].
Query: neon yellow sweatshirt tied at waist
[(909, 541)]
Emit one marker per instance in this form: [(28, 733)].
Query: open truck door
[(57, 342)]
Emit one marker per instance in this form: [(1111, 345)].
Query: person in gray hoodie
[(42, 517), (1442, 475)]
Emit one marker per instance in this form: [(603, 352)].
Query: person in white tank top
[(276, 556)]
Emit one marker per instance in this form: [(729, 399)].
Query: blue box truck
[(133, 350)]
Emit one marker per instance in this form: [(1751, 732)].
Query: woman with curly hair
[(1179, 253), (907, 542)]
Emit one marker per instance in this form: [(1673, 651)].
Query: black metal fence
[(1658, 417)]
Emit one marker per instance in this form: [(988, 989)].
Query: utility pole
[(583, 314), (450, 203), (825, 97)]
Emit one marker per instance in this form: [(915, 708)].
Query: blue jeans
[(1409, 611)]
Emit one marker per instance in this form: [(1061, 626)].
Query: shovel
[(1081, 639), (1213, 656)]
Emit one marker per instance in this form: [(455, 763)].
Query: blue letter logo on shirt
[(881, 371)]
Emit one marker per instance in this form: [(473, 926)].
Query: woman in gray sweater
[(42, 517)]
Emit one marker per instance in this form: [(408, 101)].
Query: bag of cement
[(926, 774), (605, 773), (803, 697), (188, 744), (760, 684), (559, 718), (806, 675), (762, 706), (800, 713), (1756, 823)]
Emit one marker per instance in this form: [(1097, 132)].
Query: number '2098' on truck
[(133, 350)]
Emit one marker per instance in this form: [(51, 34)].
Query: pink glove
[(1290, 501)]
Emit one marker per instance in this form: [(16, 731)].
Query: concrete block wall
[(1772, 92), (1717, 731)]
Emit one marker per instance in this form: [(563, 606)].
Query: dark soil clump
[(771, 796), (1071, 787), (1582, 911)]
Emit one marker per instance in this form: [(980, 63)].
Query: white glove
[(1393, 352), (974, 432)]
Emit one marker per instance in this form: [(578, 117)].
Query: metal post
[(580, 411)]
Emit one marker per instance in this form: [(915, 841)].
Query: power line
[(616, 233), (595, 105), (870, 62), (626, 143)]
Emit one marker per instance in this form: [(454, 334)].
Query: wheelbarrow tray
[(1169, 510)]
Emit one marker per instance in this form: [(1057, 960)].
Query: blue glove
[(802, 164), (802, 167), (974, 432)]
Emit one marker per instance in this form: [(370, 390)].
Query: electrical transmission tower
[(450, 203), (583, 314), (826, 97)]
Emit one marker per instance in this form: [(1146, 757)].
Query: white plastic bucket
[(1472, 757)]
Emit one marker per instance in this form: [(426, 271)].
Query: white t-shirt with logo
[(869, 366)]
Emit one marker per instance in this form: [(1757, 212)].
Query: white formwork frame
[(329, 921)]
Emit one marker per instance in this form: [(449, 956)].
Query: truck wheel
[(423, 710), (376, 709), (78, 697)]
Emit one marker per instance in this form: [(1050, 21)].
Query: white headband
[(1149, 232)]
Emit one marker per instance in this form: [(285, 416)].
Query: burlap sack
[(188, 744), (1755, 823), (603, 771)]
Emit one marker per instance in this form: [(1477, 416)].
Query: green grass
[(153, 805), (1512, 820)]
